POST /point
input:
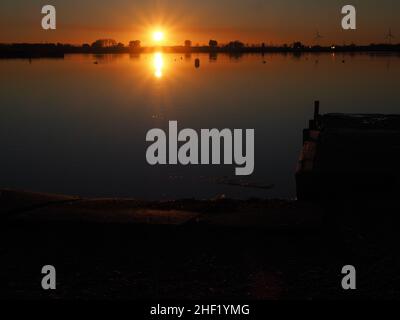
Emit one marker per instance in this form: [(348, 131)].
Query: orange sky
[(251, 21)]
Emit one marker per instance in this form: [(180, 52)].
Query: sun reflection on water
[(158, 64)]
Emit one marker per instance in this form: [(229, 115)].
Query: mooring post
[(316, 113)]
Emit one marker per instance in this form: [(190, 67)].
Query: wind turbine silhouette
[(390, 36), (317, 37)]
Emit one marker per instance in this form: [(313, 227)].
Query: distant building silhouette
[(188, 43)]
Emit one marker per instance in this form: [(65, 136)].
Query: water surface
[(78, 125)]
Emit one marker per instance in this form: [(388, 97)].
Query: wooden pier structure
[(350, 157)]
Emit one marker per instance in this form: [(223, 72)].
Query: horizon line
[(198, 45)]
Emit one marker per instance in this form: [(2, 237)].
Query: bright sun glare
[(158, 64), (158, 36)]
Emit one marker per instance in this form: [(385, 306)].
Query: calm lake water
[(76, 127)]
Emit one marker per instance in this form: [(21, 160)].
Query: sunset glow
[(171, 23), (158, 36), (158, 64)]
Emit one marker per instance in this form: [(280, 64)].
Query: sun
[(158, 36)]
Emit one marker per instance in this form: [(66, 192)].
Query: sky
[(250, 21)]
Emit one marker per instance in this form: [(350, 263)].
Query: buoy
[(197, 63)]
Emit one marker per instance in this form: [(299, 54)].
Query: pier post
[(316, 113)]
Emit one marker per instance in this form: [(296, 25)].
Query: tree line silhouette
[(29, 50)]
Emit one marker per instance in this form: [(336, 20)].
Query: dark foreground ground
[(220, 249)]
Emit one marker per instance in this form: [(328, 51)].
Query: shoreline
[(223, 249), (28, 207), (59, 50)]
